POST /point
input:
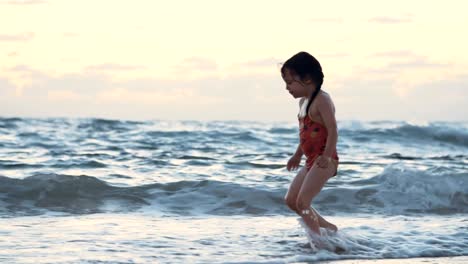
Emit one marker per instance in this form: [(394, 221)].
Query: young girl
[(318, 137)]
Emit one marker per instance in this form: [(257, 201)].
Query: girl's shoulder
[(324, 99), (324, 93), (324, 96)]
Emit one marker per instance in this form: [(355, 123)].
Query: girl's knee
[(304, 209), (291, 202), (302, 204)]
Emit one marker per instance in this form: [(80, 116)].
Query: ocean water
[(116, 191)]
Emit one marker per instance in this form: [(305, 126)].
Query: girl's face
[(294, 85)]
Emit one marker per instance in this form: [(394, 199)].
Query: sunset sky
[(218, 60)]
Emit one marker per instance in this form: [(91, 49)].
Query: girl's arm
[(295, 160), (327, 112), (298, 152)]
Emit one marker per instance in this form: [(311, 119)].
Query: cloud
[(363, 98), (406, 74), (337, 55), (267, 62), (26, 71), (326, 20), (196, 64), (17, 37), (404, 61), (69, 59), (22, 75), (12, 54), (260, 66), (6, 88), (443, 99), (418, 63), (409, 70), (84, 84), (390, 20), (63, 96), (22, 68), (70, 34), (96, 95), (236, 97), (395, 53), (23, 2), (113, 67)]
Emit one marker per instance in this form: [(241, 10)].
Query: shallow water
[(145, 238)]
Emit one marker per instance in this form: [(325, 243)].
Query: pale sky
[(217, 60)]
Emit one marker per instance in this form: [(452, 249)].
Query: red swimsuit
[(313, 139)]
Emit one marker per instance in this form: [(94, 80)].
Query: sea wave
[(396, 190), (399, 190), (434, 132)]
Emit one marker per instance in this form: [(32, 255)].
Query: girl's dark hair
[(306, 67)]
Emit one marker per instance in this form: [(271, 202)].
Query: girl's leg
[(294, 188), (313, 182), (292, 194), (324, 223)]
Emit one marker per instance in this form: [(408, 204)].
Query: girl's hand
[(293, 162), (323, 161)]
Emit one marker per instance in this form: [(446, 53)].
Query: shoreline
[(418, 260)]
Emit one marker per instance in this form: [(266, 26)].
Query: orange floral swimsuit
[(313, 139)]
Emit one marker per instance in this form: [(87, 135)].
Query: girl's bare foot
[(324, 223), (330, 226)]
